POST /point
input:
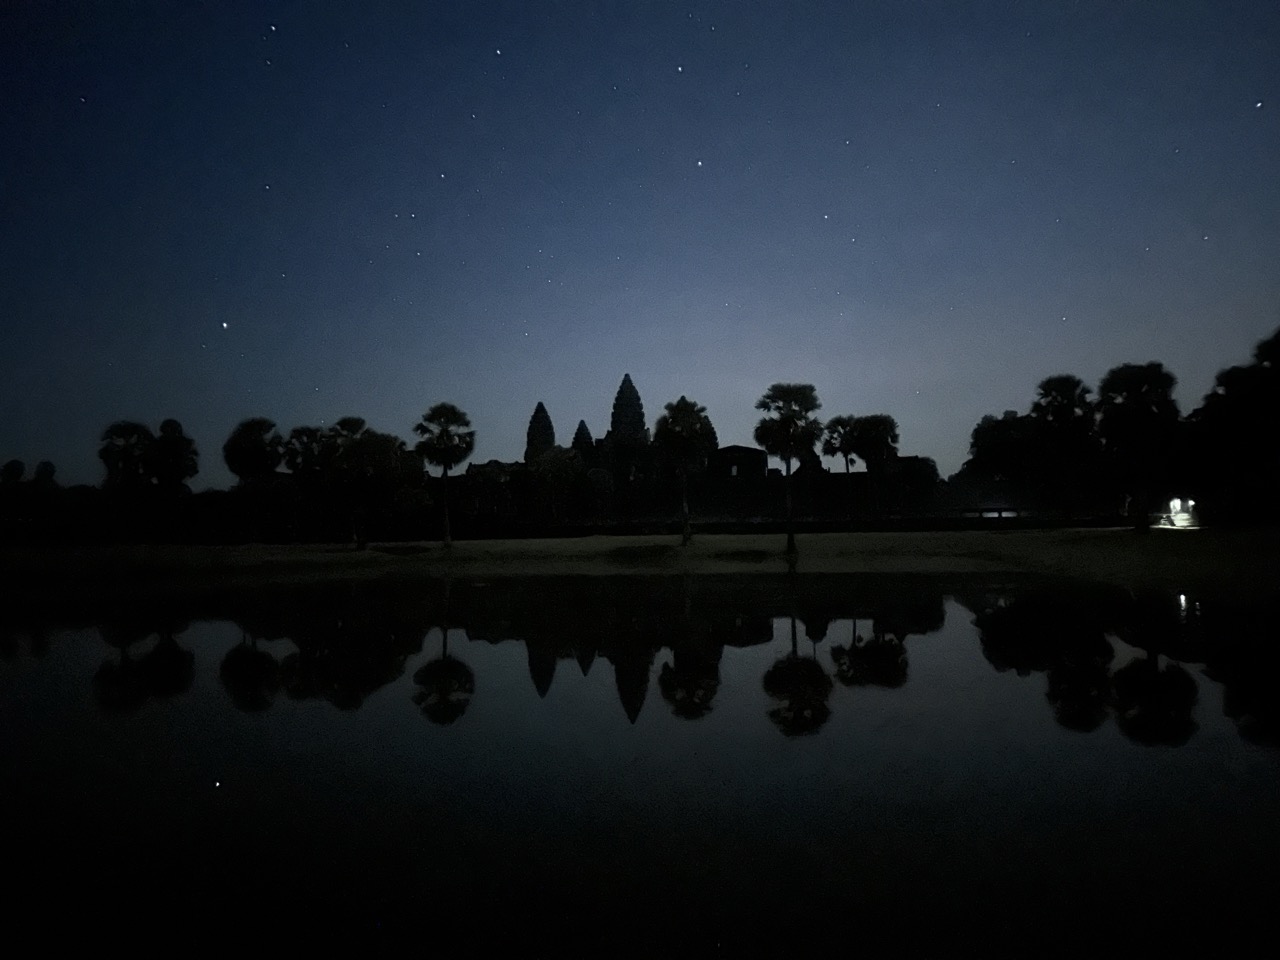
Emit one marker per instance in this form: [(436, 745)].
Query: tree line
[(1128, 449), (1073, 454)]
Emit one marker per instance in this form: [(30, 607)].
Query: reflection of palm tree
[(803, 687), (879, 661), (447, 686), (121, 685), (250, 675), (689, 683), (1153, 703), (163, 671), (169, 669), (1080, 689)]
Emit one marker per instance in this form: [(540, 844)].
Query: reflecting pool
[(708, 766)]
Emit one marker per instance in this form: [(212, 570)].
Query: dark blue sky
[(922, 208)]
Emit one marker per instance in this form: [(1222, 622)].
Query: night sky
[(212, 211)]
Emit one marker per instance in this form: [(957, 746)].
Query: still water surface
[(700, 765)]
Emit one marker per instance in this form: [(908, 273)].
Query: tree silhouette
[(126, 454), (254, 450), (250, 675), (1067, 449), (790, 431), (875, 443), (446, 442), (838, 438), (876, 660), (1232, 436), (1138, 421), (803, 688), (309, 454), (447, 685), (1003, 448), (11, 473), (541, 435), (367, 471), (174, 458), (685, 438)]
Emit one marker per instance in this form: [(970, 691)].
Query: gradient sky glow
[(211, 211)]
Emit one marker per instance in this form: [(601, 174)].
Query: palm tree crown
[(447, 439), (792, 428), (839, 439), (685, 434)]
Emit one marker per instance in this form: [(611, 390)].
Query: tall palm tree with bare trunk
[(790, 431), (447, 440)]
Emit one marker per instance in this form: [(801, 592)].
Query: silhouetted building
[(748, 463)]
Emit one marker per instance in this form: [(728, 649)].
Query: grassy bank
[(1185, 560)]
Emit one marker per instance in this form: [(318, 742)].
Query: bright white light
[(1175, 505), (224, 324), (1182, 602)]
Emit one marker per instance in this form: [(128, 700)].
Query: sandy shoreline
[(1223, 561)]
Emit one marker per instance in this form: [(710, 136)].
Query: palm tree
[(254, 449), (1138, 423), (446, 442), (126, 453), (875, 442), (685, 437), (174, 458), (790, 431), (1065, 440), (839, 438), (803, 688)]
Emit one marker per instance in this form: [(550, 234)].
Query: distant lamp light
[(1180, 514)]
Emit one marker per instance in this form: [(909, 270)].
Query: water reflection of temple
[(1105, 653)]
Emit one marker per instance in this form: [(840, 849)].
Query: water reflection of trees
[(128, 680), (446, 686), (802, 687), (1104, 652), (349, 642), (1068, 635)]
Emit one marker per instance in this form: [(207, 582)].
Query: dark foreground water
[(706, 767)]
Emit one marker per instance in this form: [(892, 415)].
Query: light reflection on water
[(961, 783)]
